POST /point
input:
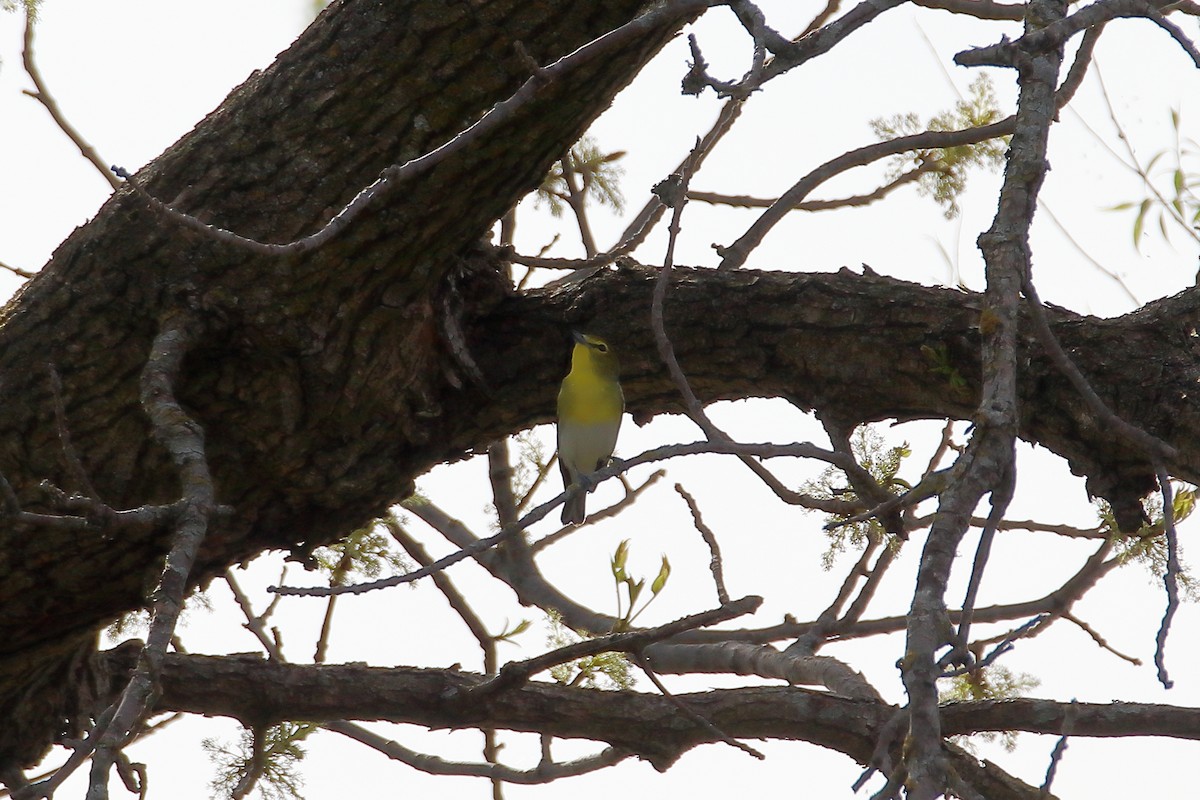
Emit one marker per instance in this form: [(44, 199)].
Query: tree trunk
[(318, 384)]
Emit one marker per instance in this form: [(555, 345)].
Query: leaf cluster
[(990, 683), (598, 171), (629, 589), (275, 758), (1148, 547), (945, 169), (365, 553), (1179, 204), (883, 463), (602, 671)]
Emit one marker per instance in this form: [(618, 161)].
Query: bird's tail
[(574, 509)]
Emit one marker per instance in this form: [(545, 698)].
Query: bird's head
[(594, 351)]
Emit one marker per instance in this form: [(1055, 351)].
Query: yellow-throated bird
[(590, 404)]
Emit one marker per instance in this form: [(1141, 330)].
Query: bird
[(590, 405)]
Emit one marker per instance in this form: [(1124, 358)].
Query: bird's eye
[(603, 348)]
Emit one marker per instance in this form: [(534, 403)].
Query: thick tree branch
[(262, 692)]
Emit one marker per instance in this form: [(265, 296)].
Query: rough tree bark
[(320, 383), (325, 384)]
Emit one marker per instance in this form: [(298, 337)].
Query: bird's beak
[(579, 337)]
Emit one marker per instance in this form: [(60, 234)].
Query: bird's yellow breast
[(588, 397)]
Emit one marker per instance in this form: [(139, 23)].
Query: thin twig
[(1170, 580), (1060, 748), (544, 772), (852, 201), (742, 450), (1151, 445), (631, 496), (810, 642), (446, 586), (1100, 640), (515, 674), (392, 176), (20, 273), (691, 713), (1001, 496), (710, 539), (43, 96), (254, 623)]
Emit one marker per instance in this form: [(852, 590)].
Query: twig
[(1001, 497), (691, 713), (43, 96), (257, 765), (183, 438), (710, 539), (498, 115), (831, 8), (735, 254), (745, 451), (542, 471), (254, 623), (1000, 649), (810, 642), (881, 759), (1060, 748), (980, 9), (446, 586), (856, 200), (500, 477), (1169, 580), (645, 219), (1151, 445), (631, 496), (930, 485), (517, 673), (544, 772), (20, 273), (1100, 640)]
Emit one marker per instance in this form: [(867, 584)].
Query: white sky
[(135, 76)]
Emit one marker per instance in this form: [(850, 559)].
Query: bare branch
[(43, 96), (1170, 581), (745, 201), (20, 273), (544, 772), (692, 714), (517, 673), (744, 451), (1059, 749), (710, 539)]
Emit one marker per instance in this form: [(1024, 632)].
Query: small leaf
[(635, 590), (1140, 223), (1183, 504), (618, 561), (664, 572)]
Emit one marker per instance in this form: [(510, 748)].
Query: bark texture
[(320, 375), (648, 726)]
